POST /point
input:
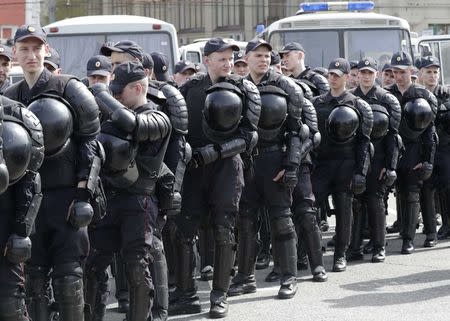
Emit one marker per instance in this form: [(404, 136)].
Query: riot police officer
[(69, 117), (293, 56), (343, 156), (23, 149), (5, 67), (135, 137), (419, 108), (429, 72), (273, 173), (223, 117), (382, 174)]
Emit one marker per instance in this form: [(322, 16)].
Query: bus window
[(68, 45), (378, 44)]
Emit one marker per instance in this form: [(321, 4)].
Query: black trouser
[(305, 217), (409, 185), (277, 199), (12, 288), (62, 249), (128, 226), (214, 189), (334, 176)]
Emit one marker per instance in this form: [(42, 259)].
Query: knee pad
[(67, 269), (248, 224), (68, 290), (138, 275), (283, 229), (223, 235)]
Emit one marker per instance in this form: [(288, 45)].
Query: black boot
[(444, 196), (245, 282), (69, 296), (410, 211), (286, 248), (186, 301), (158, 271), (224, 255), (343, 205)]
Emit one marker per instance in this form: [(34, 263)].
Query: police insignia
[(31, 29), (97, 64)]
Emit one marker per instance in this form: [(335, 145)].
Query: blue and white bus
[(341, 29)]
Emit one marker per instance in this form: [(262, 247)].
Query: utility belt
[(263, 150)]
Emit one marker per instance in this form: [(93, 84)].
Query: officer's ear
[(47, 49), (206, 60)]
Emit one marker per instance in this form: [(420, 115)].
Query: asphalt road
[(405, 287)]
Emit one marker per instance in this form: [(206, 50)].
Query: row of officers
[(87, 173)]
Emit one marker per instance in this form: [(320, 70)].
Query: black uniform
[(223, 120), (342, 159), (170, 101), (313, 84), (440, 178), (134, 158), (279, 147), (24, 151), (387, 144), (69, 116), (419, 108)]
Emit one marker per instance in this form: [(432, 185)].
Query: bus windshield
[(84, 47), (322, 46)]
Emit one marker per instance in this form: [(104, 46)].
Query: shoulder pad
[(249, 86)]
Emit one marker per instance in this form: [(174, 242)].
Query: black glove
[(358, 184), (389, 177), (289, 179), (425, 171), (18, 249), (204, 155), (81, 211)]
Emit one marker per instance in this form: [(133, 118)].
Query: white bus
[(78, 39), (341, 29)]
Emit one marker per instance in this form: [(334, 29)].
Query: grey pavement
[(405, 287)]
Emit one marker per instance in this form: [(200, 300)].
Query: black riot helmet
[(418, 114), (342, 124), (17, 148), (56, 120), (223, 110), (380, 122)]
